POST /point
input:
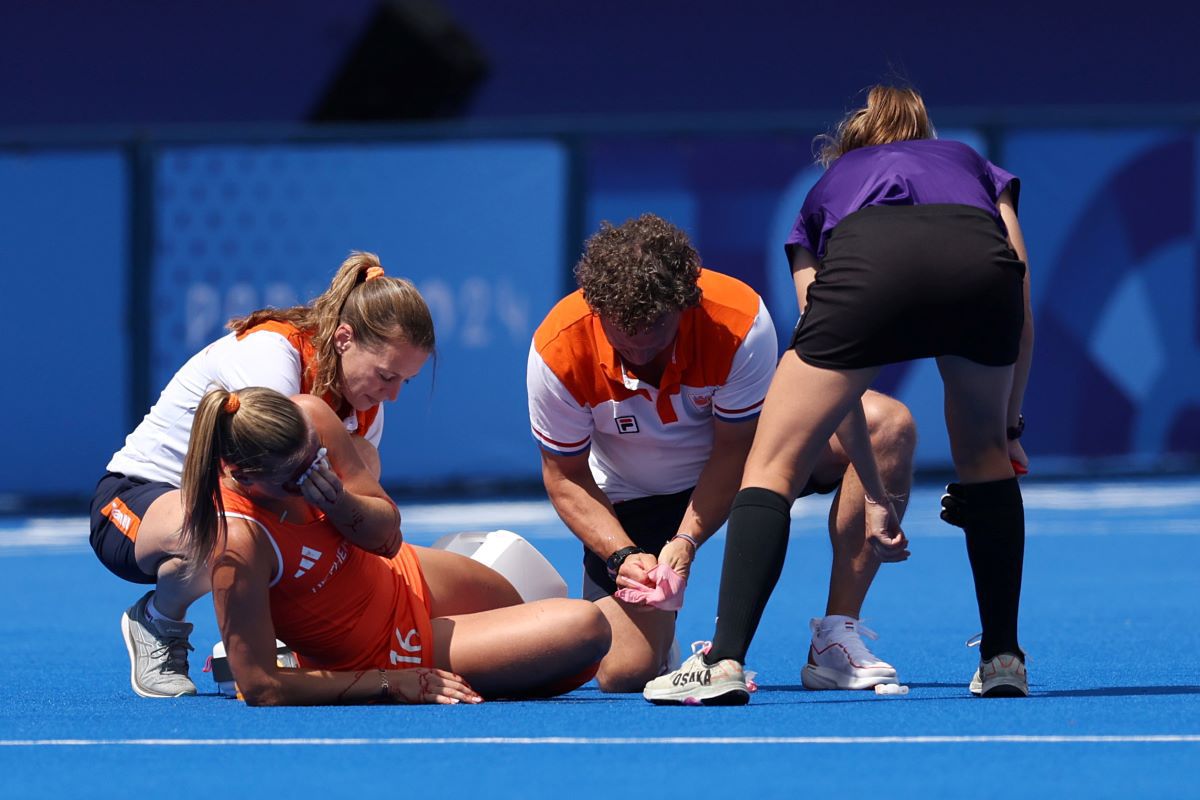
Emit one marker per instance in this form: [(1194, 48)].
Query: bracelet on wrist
[(385, 689), (687, 538), (891, 498)]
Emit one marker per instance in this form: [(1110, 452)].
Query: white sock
[(153, 613)]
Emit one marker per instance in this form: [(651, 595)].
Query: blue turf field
[(1110, 621)]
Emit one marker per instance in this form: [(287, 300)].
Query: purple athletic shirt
[(910, 173)]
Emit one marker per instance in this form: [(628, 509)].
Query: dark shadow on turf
[(1121, 691), (832, 693)]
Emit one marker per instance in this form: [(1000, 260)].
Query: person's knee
[(582, 628), (594, 630), (629, 665), (892, 426), (626, 672)]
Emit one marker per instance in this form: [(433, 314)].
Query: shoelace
[(977, 638), (175, 648), (848, 636), (702, 646)]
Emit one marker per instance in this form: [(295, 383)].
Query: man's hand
[(633, 572), (678, 554)]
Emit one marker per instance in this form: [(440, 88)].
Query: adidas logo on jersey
[(308, 559)]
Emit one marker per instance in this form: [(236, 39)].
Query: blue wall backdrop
[(477, 227), (1114, 216), (489, 229), (67, 319)]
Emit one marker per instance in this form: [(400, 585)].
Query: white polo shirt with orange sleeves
[(273, 355), (644, 440)]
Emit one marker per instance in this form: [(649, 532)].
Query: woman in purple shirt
[(908, 247)]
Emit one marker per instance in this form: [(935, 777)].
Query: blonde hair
[(892, 114), (256, 431), (378, 308)]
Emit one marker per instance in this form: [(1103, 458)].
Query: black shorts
[(649, 522), (899, 283), (118, 506)]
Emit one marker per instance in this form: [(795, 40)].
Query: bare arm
[(1025, 358), (882, 521), (589, 514), (241, 575), (349, 493), (718, 483), (804, 272)]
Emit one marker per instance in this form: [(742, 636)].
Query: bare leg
[(990, 509), (521, 649), (790, 438), (641, 639), (160, 552), (460, 585), (976, 403), (792, 435), (893, 440)]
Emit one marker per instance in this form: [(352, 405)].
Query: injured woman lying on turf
[(270, 483)]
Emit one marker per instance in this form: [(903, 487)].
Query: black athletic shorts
[(118, 506), (650, 522), (899, 283)]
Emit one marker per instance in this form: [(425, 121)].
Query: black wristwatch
[(1015, 431), (615, 561)]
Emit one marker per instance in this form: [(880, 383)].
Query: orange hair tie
[(374, 272), (233, 403)]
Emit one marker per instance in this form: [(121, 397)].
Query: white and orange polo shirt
[(641, 439)]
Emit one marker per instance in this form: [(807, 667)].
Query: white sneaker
[(840, 659), (696, 683)]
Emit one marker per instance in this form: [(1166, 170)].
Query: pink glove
[(665, 595)]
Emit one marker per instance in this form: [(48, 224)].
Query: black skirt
[(899, 283)]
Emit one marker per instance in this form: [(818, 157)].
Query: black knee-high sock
[(755, 546), (994, 521)]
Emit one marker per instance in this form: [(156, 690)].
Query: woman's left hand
[(884, 533), (323, 488)]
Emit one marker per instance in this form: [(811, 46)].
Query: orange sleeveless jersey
[(308, 368), (339, 607)]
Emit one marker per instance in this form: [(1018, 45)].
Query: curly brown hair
[(634, 273)]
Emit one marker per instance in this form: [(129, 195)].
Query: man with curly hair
[(645, 387)]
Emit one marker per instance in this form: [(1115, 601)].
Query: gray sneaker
[(158, 660), (1002, 676), (1006, 674), (696, 683)]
